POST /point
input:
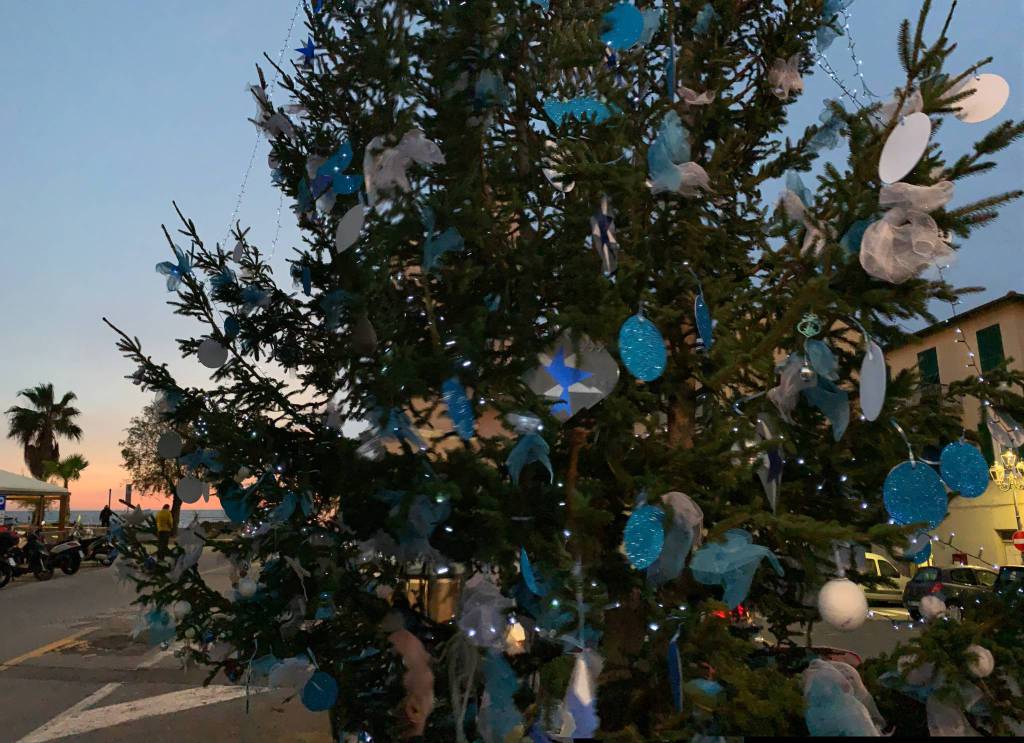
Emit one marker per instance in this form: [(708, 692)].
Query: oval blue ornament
[(644, 536), (964, 469), (642, 348), (320, 692), (913, 494)]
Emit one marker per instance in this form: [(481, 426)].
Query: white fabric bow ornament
[(901, 245), (482, 612), (385, 167), (909, 196), (693, 98), (784, 77)]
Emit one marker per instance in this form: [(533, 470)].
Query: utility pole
[(110, 492)]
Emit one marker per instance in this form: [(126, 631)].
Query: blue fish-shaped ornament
[(671, 147), (833, 402), (526, 568), (334, 168), (642, 348), (582, 108), (675, 672), (530, 447), (175, 272), (460, 410)]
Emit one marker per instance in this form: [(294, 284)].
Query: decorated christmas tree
[(617, 396)]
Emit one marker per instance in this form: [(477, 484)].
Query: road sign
[(3, 502), (1018, 540)]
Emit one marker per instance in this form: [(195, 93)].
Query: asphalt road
[(70, 671)]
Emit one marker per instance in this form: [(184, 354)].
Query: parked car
[(1009, 583), (891, 591), (956, 586)]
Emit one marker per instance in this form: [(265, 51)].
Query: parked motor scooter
[(98, 547), (33, 558), (67, 554)]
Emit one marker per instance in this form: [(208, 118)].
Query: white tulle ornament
[(901, 245), (932, 607), (180, 609), (842, 604), (247, 588), (921, 198), (980, 661), (913, 104), (482, 612)]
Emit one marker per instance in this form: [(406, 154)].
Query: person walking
[(164, 526), (105, 516)]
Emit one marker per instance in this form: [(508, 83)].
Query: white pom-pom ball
[(190, 632), (932, 607), (980, 661), (181, 608), (247, 588), (842, 604)]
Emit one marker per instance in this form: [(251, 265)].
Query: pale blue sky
[(114, 108)]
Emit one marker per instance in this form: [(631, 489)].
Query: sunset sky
[(114, 108)]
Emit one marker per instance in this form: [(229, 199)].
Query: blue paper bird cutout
[(731, 565), (827, 136), (705, 16), (530, 447), (236, 504), (671, 148), (175, 272), (852, 238), (308, 51), (289, 504), (652, 20), (499, 716), (821, 359), (201, 458), (625, 26), (252, 297), (565, 377), (460, 410), (795, 184), (490, 90), (160, 626), (399, 427), (827, 32), (333, 303), (449, 241), (581, 108), (526, 568), (833, 402), (333, 170), (224, 278), (231, 327)]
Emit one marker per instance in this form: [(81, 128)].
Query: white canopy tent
[(27, 490)]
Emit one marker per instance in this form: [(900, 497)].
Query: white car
[(881, 567)]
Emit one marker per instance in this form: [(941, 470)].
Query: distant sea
[(93, 517)]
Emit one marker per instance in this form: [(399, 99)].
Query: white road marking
[(44, 732), (86, 721)]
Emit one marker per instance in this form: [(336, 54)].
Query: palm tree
[(67, 469), (38, 427)]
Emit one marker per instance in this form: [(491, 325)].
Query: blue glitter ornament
[(913, 494), (964, 469), (919, 547), (644, 536), (702, 317), (581, 108), (642, 348), (625, 26), (320, 692)]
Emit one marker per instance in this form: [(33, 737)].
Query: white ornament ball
[(181, 608), (212, 354), (932, 607), (842, 604), (247, 588), (190, 632), (980, 661), (191, 489), (168, 445)]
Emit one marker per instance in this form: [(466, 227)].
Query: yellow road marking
[(48, 648)]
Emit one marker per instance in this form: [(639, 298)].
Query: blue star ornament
[(308, 51), (565, 376)]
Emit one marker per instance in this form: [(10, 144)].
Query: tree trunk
[(175, 513), (681, 418)]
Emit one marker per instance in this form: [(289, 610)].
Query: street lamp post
[(1009, 476)]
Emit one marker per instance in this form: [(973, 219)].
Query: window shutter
[(928, 366), (990, 347)]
